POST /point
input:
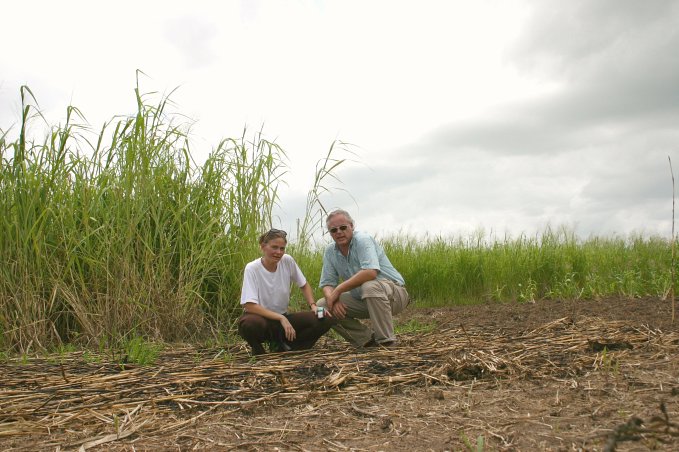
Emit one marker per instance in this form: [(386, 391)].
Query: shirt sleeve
[(329, 275), (296, 274), (367, 254), (249, 292)]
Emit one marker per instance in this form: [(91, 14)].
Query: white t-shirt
[(271, 289)]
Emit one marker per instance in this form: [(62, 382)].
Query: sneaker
[(282, 346), (285, 346), (370, 343), (388, 344), (279, 346)]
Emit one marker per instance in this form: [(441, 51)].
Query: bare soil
[(550, 375)]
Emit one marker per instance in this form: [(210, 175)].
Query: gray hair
[(339, 212)]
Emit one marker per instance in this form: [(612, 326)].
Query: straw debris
[(80, 405)]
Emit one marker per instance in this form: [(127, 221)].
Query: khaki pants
[(382, 299)]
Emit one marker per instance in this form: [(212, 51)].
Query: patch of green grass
[(58, 355), (63, 349), (225, 356), (478, 447), (139, 351), (414, 326), (90, 357), (609, 363), (624, 414)]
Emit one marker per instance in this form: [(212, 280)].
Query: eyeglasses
[(341, 228)]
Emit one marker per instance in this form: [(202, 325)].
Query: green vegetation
[(552, 265), (478, 447), (555, 264), (139, 351), (414, 326), (124, 236), (90, 357), (101, 240), (609, 362)]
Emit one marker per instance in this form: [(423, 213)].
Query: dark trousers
[(256, 330)]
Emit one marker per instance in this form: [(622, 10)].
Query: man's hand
[(339, 309), (332, 302), (290, 333)]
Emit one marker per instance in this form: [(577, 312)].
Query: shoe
[(258, 350), (279, 346), (388, 344), (370, 343)]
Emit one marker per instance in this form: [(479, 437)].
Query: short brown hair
[(273, 234)]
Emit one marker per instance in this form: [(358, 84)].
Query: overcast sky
[(504, 116)]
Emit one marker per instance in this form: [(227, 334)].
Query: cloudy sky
[(504, 116)]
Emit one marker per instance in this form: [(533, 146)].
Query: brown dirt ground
[(626, 398)]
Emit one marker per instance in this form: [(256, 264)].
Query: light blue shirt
[(364, 254)]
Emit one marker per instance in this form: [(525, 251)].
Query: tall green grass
[(552, 264), (123, 237), (126, 236)]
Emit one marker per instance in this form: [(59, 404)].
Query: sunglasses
[(273, 231), (341, 228)]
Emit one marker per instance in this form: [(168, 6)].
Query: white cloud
[(504, 115)]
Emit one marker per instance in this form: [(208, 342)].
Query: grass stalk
[(673, 241)]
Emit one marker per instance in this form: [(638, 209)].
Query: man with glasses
[(359, 282)]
